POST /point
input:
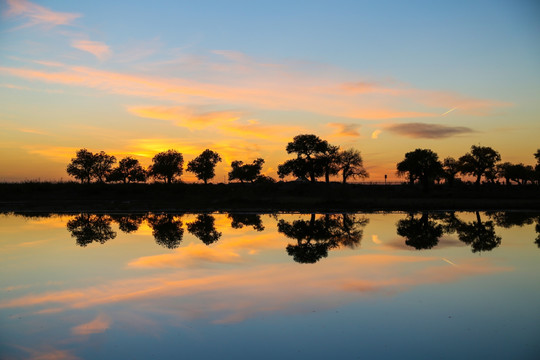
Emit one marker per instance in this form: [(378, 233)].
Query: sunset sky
[(244, 77)]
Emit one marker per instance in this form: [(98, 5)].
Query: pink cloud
[(37, 14), (96, 48)]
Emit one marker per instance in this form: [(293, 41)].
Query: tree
[(245, 172), (351, 165), (420, 233), (167, 165), (166, 229), (238, 221), (204, 229), (422, 165), (328, 161), (128, 170), (102, 165), (81, 166), (450, 170), (480, 235), (312, 154), (480, 161), (87, 166), (87, 228), (128, 223), (203, 165), (537, 166), (504, 171)]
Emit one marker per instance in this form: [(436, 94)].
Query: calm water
[(284, 286)]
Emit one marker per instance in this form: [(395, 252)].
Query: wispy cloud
[(37, 15), (227, 122), (346, 129), (428, 131), (96, 326), (242, 83), (96, 48)]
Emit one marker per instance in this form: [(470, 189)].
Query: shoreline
[(260, 198)]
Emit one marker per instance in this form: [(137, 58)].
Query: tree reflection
[(480, 235), (128, 223), (204, 229), (317, 236), (537, 228), (507, 219), (420, 233), (166, 229), (87, 228), (238, 221)]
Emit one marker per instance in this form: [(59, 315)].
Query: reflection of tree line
[(314, 237)]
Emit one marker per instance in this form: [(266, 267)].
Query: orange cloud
[(186, 257), (96, 48), (346, 129), (37, 14), (264, 86), (96, 326)]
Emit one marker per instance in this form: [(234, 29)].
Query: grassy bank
[(74, 197)]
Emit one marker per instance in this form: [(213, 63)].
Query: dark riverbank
[(305, 197)]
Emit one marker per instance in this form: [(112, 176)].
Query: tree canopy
[(313, 158), (167, 165), (128, 170), (86, 166), (351, 164), (203, 166), (245, 172), (422, 165), (480, 161)]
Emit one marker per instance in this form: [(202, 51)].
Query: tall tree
[(450, 170), (166, 229), (204, 229), (421, 164), (420, 233), (128, 170), (351, 165), (245, 172), (480, 161), (102, 165), (167, 165), (82, 165), (328, 161), (203, 165), (309, 150)]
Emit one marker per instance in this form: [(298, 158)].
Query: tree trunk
[(344, 178), (327, 176)]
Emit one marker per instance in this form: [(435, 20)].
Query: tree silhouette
[(328, 161), (508, 219), (166, 229), (128, 223), (203, 165), (298, 167), (350, 230), (537, 228), (450, 170), (312, 153), (204, 229), (420, 233), (351, 165), (167, 165), (480, 161), (313, 239), (86, 165), (245, 172), (128, 170), (422, 165), (317, 236), (238, 221), (480, 235), (87, 228)]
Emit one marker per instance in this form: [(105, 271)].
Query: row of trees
[(314, 158), (312, 237), (424, 166)]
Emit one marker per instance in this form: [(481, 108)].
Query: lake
[(441, 285)]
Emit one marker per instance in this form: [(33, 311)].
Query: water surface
[(246, 286)]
